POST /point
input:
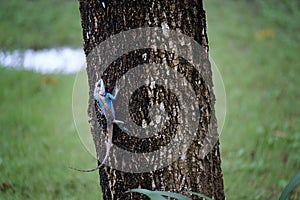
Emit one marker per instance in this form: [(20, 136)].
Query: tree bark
[(198, 168)]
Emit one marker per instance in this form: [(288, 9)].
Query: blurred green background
[(255, 44)]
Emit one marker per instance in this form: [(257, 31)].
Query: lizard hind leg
[(120, 125)]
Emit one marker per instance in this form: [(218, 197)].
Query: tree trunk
[(154, 40)]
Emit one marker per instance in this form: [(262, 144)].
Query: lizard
[(104, 100)]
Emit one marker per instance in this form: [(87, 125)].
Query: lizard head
[(100, 87)]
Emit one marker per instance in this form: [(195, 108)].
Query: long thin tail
[(92, 170), (108, 145), (86, 170)]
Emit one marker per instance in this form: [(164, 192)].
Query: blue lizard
[(106, 107)]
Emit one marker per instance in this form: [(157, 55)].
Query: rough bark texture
[(102, 19)]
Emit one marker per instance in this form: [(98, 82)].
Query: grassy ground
[(39, 140), (256, 50), (258, 60), (39, 24)]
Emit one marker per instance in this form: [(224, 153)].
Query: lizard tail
[(92, 170), (108, 145), (87, 170)]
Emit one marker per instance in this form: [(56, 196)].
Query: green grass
[(39, 140), (260, 141), (255, 47), (39, 24)]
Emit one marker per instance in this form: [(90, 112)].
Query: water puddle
[(55, 60)]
